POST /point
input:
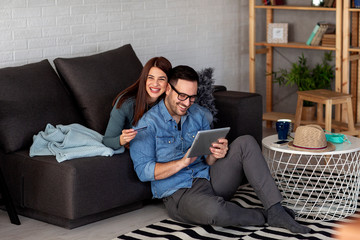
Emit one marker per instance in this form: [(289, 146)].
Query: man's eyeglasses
[(184, 96)]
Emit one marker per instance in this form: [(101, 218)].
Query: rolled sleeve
[(145, 171)]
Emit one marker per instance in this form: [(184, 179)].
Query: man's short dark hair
[(183, 72)]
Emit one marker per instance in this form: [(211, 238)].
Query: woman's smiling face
[(156, 83)]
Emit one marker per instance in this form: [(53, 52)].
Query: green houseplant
[(307, 78)]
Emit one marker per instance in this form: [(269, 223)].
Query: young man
[(197, 190)]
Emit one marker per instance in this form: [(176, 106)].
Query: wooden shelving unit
[(351, 55), (267, 48), (293, 45)]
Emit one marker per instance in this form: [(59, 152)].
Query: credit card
[(140, 129)]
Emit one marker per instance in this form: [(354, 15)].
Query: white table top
[(345, 147)]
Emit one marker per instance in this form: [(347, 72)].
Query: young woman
[(131, 104)]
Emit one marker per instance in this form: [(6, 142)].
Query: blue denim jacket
[(163, 142)]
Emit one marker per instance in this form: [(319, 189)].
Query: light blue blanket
[(68, 142)]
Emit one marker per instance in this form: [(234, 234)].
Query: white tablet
[(204, 139)]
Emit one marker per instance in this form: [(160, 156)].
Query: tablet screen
[(204, 139)]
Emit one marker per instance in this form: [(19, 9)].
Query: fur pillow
[(206, 89)]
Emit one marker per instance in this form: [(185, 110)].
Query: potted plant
[(306, 78)]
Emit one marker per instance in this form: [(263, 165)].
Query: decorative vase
[(308, 113)]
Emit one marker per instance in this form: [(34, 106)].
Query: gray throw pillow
[(96, 80), (30, 97)]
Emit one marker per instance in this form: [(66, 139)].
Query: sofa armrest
[(241, 111), (219, 88)]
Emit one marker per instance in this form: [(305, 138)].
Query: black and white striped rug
[(174, 230)]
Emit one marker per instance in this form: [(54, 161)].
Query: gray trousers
[(208, 202)]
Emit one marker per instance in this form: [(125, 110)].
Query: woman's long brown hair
[(138, 89)]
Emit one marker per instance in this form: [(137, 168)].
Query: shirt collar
[(165, 113)]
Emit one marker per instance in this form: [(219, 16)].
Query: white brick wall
[(199, 33)]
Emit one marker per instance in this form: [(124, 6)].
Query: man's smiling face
[(176, 107)]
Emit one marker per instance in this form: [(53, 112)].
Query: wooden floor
[(106, 229)]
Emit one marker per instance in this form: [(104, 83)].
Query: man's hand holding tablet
[(205, 139)]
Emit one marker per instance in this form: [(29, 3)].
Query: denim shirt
[(162, 142)]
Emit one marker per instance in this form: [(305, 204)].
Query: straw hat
[(311, 138)]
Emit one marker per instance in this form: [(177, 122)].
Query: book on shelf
[(331, 28), (329, 3), (277, 2), (329, 36), (328, 28), (355, 4), (316, 40), (328, 40), (313, 33), (319, 30), (274, 2)]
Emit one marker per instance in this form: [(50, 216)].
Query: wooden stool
[(329, 98)]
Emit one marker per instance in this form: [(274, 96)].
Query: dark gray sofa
[(84, 190)]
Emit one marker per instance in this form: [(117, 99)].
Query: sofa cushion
[(96, 80), (74, 192), (241, 111), (30, 97)]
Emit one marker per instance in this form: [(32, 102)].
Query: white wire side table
[(317, 186)]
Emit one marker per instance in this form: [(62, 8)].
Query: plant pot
[(308, 113)]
